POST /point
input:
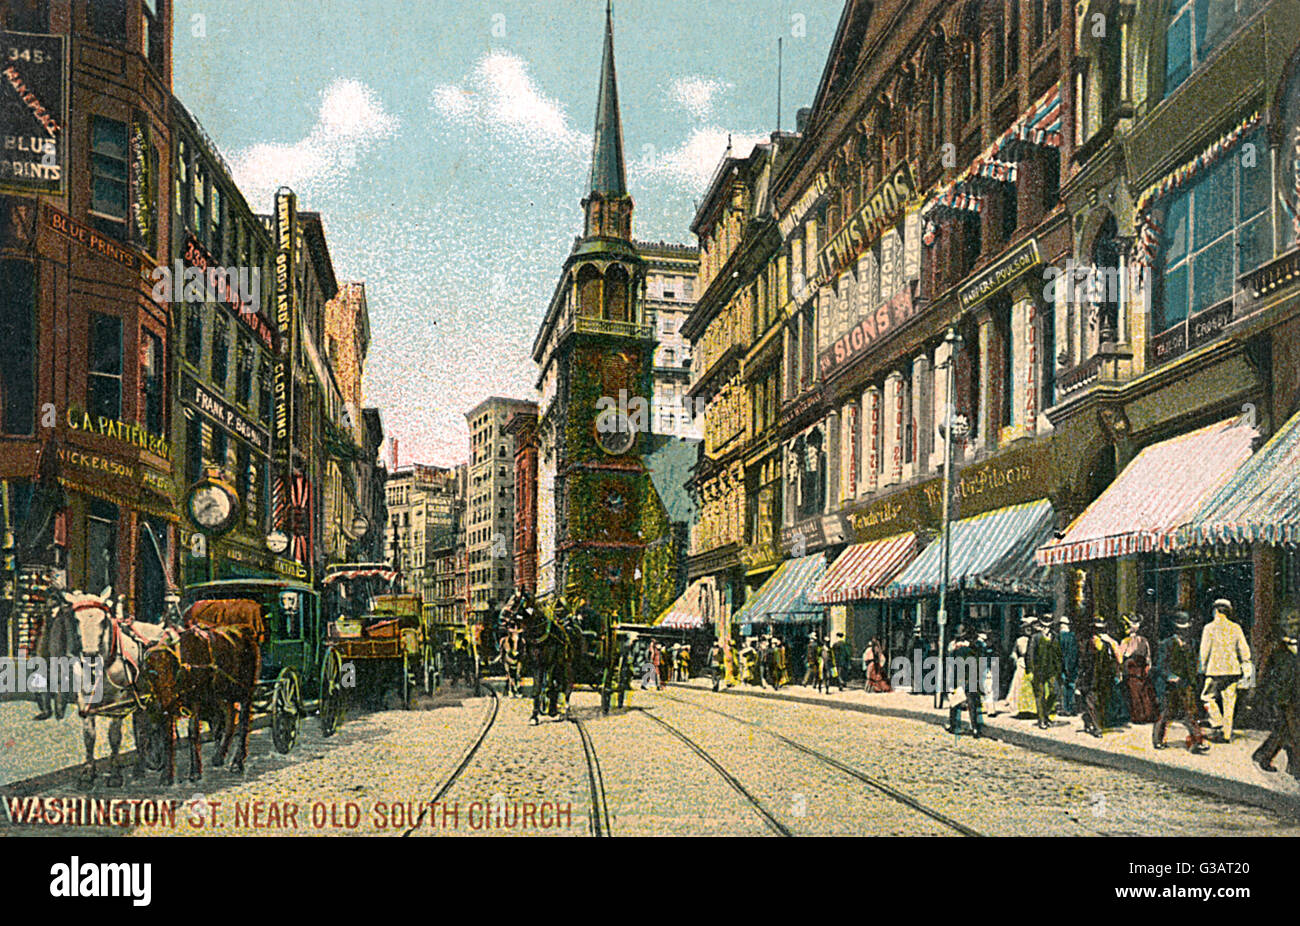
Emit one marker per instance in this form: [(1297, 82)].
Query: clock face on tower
[(614, 433)]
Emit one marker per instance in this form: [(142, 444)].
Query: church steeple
[(607, 206)]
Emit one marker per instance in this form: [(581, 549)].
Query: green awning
[(783, 599), (1261, 502)]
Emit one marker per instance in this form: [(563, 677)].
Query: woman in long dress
[(1020, 696), (873, 664), (1135, 661)]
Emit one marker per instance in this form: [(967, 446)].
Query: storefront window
[(17, 346), (101, 545)]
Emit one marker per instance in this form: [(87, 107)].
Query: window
[(27, 15), (215, 242), (108, 19), (1013, 38), (244, 372), (245, 479), (194, 333), (1214, 230), (152, 381), (104, 375), (193, 448), (182, 183), (151, 33), (17, 347), (1195, 28), (101, 544), (108, 199), (220, 352), (220, 445), (199, 217)]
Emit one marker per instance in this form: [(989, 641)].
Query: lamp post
[(954, 342)]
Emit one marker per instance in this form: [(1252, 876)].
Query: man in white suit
[(1225, 663)]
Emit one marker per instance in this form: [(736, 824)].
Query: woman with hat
[(1135, 662), (1020, 696)]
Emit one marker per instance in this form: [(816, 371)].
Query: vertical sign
[(286, 224), (873, 439), (851, 421), (142, 184), (33, 113), (1031, 366)]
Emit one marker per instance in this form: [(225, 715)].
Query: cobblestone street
[(677, 762)]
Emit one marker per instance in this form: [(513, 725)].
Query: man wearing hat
[(840, 650), (1225, 663), (1045, 668), (1176, 667), (1279, 693), (1069, 667), (1098, 671)]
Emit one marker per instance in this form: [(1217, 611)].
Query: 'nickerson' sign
[(883, 207), (33, 113)]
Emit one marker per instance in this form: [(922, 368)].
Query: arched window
[(589, 287), (616, 295), (1194, 28)]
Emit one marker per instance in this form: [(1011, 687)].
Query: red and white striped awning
[(1157, 494), (387, 575), (863, 569)]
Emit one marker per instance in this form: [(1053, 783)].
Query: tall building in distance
[(422, 503), (490, 508), (448, 602), (670, 296), (522, 427)]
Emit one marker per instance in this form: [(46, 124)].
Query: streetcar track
[(599, 816), (772, 822), (465, 760), (899, 796)]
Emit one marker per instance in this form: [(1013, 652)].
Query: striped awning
[(1155, 496), (691, 610), (381, 572), (1261, 503), (784, 597), (863, 569), (993, 551)]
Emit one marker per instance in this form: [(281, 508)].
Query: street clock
[(212, 504), (614, 432)]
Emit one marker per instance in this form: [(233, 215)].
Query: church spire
[(608, 178)]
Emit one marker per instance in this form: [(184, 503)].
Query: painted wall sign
[(33, 113), (883, 207), (804, 205), (849, 347), (1001, 274), (286, 230), (90, 239), (121, 431)]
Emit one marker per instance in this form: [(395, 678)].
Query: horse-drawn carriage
[(299, 669), (382, 634)]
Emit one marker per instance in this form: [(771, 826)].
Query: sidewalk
[(1226, 771)]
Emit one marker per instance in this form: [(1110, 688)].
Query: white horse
[(119, 645)]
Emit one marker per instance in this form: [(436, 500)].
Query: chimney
[(801, 119), (392, 450)]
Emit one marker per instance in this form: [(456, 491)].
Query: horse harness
[(116, 651)]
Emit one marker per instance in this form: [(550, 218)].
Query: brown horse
[(203, 675)]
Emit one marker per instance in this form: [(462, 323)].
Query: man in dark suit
[(1176, 664), (1098, 669), (1069, 667), (1045, 665), (1279, 693)]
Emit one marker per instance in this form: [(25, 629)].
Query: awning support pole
[(954, 342)]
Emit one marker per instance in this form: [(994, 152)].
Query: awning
[(783, 599), (1261, 503), (387, 575), (692, 610), (863, 569), (1155, 496), (993, 551)]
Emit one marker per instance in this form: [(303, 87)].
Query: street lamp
[(954, 342)]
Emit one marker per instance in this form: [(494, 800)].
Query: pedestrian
[(812, 660), (717, 660), (920, 645), (1020, 696), (873, 666), (748, 661), (1045, 667), (840, 649), (1098, 669), (1069, 667), (968, 651), (830, 671), (654, 659), (684, 663), (1135, 663), (731, 663), (783, 662), (1176, 665), (1226, 665), (1279, 697)]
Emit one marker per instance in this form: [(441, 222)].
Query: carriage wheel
[(331, 693), (286, 717)]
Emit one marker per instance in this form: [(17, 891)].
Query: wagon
[(379, 635), (300, 671)]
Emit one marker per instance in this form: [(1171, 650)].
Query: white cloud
[(501, 97), (697, 94), (692, 163), (351, 120)]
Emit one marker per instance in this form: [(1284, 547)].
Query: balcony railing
[(1101, 366), (586, 325)]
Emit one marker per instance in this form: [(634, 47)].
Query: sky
[(447, 144)]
